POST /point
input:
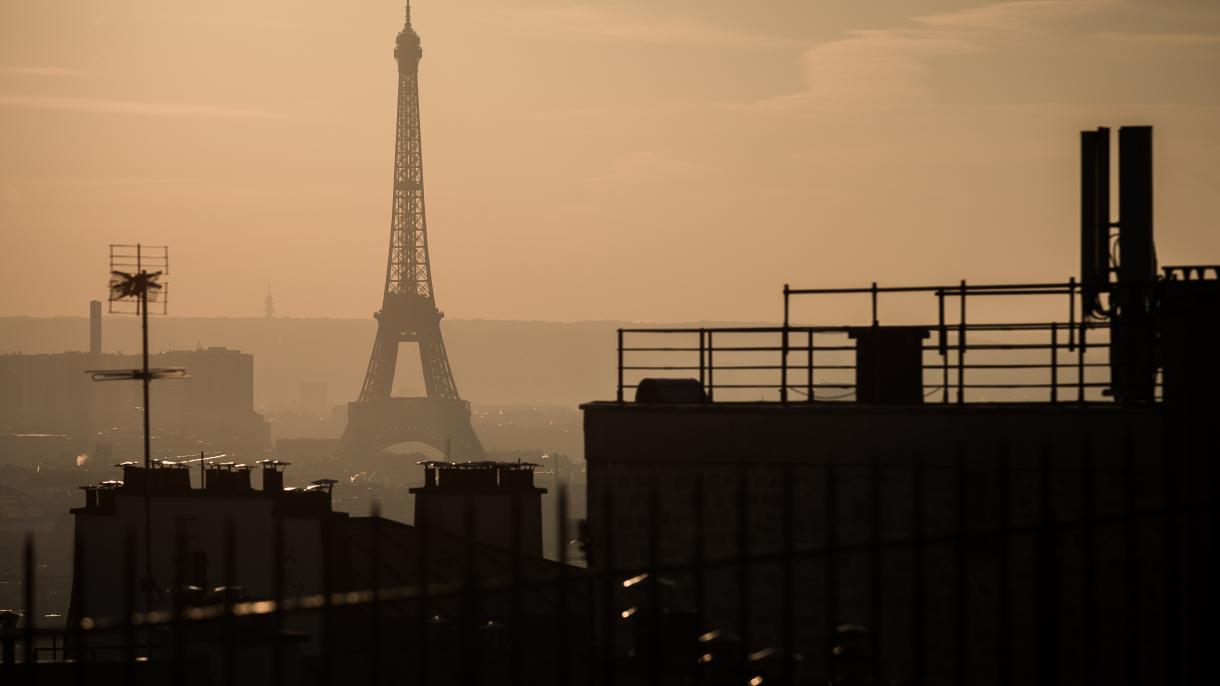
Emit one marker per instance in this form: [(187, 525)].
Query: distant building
[(269, 304), (315, 399), (212, 410)]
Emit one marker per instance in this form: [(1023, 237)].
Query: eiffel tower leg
[(379, 379), (438, 377)]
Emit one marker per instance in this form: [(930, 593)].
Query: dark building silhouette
[(497, 501), (232, 542), (974, 500), (408, 311)]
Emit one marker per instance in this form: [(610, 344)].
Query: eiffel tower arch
[(408, 312)]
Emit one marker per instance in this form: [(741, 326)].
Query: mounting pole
[(144, 376)]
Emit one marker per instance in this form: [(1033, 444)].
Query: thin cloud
[(583, 22), (1171, 39), (14, 70), (1017, 16), (893, 65), (150, 109)]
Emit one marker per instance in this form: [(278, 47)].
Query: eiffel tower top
[(407, 45)]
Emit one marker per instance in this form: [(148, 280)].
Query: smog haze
[(607, 160)]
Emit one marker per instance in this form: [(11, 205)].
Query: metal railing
[(656, 611), (1055, 361)]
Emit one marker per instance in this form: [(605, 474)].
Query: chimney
[(500, 496), (95, 327), (273, 475)]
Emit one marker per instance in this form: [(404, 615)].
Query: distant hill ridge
[(496, 362)]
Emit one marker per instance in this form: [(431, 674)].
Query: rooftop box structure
[(495, 503)]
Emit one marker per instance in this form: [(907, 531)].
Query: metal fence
[(875, 564), (1045, 360)]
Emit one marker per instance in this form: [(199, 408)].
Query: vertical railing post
[(469, 650), (1048, 572), (876, 583), (609, 583), (809, 367), (743, 570), (873, 295), (961, 345), (179, 605), (374, 658), (653, 629), (619, 394), (80, 570), (1088, 498), (1054, 362), (788, 630), (423, 538), (702, 358), (783, 357), (1004, 568), (31, 616), (515, 628), (229, 625), (699, 571), (1132, 561), (831, 561), (1176, 655), (711, 368), (1080, 351), (961, 567), (1071, 314), (563, 645), (129, 607), (918, 560), (942, 344), (277, 621)]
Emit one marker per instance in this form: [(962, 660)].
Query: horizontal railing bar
[(969, 289), (1018, 365), (663, 367), (1091, 384), (952, 327)]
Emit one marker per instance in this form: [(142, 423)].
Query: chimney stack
[(273, 475), (95, 327), (501, 496)]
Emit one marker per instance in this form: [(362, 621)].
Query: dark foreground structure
[(225, 583), (976, 499)]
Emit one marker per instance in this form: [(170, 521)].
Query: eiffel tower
[(408, 312)]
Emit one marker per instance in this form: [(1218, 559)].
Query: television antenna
[(137, 286)]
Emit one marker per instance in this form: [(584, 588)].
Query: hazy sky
[(633, 159)]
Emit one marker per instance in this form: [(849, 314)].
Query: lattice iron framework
[(408, 312)]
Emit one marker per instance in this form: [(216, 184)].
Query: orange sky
[(627, 159)]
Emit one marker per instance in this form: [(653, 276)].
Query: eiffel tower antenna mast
[(408, 311)]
